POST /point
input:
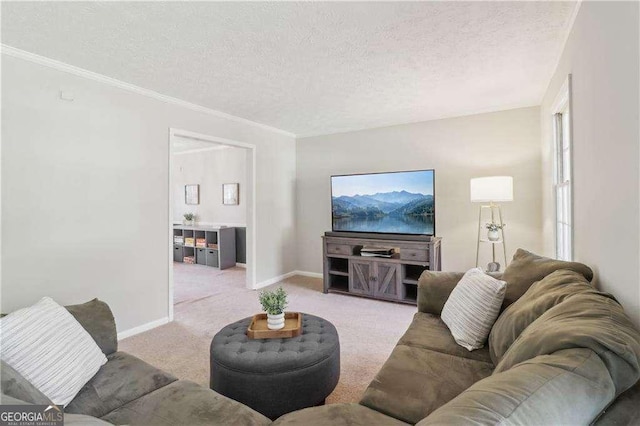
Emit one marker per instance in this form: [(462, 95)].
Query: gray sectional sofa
[(561, 352), (127, 390)]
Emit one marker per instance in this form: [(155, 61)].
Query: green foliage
[(189, 216), (494, 226), (273, 302)]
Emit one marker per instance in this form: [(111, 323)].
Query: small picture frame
[(230, 194), (192, 194)]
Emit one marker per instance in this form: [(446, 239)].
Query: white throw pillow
[(49, 347), (472, 308)]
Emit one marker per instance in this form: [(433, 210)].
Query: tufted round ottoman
[(276, 376)]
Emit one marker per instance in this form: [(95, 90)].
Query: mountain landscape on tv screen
[(396, 203)]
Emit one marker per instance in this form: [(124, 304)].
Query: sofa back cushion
[(16, 386), (592, 320), (541, 296), (570, 387), (96, 317), (527, 268)]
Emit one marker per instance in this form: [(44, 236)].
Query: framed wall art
[(192, 194), (230, 194)]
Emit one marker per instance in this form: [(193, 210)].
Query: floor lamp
[(490, 191)]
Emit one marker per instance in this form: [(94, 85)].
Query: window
[(563, 179)]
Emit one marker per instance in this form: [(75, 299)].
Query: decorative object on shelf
[(490, 191), (189, 219), (493, 267), (259, 327), (493, 231), (230, 193), (192, 194), (274, 303)]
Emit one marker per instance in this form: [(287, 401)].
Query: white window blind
[(564, 227)]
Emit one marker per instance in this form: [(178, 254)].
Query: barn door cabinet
[(376, 279)]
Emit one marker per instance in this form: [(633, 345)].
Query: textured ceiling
[(309, 68)]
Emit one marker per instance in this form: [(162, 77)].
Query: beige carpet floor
[(206, 299)]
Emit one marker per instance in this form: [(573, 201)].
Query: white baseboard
[(241, 265), (274, 280), (282, 277), (142, 328), (308, 274)]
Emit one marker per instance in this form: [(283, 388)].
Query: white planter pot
[(275, 322), (493, 235)]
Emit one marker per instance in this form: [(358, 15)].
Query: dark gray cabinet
[(395, 278)]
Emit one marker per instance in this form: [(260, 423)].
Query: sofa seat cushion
[(16, 386), (624, 410), (428, 331), (185, 403), (337, 415), (414, 381), (569, 387), (69, 419), (122, 379), (527, 268)]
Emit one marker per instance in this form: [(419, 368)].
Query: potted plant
[(273, 303), (189, 218), (493, 233)]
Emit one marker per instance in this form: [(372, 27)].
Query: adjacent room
[(209, 211), (320, 213)]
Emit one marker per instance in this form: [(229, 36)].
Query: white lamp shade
[(492, 188)]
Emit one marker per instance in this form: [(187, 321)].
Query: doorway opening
[(211, 216)]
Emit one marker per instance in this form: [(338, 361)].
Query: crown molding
[(81, 72)]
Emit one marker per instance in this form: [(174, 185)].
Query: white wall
[(501, 143), (210, 169), (601, 54), (85, 192)]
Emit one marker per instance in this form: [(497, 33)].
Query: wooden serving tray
[(292, 327)]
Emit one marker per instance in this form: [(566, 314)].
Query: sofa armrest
[(95, 316), (434, 288)]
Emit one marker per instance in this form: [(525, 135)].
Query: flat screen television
[(389, 203)]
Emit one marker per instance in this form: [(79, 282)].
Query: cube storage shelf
[(395, 279), (223, 257)]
